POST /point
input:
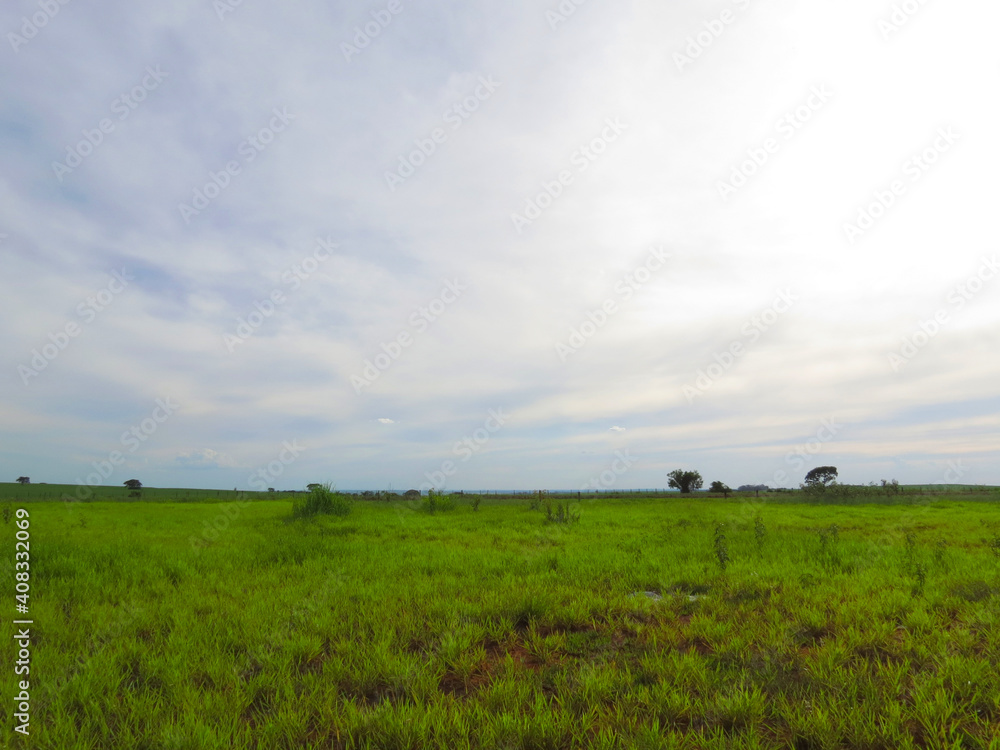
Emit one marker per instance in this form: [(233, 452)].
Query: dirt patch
[(380, 692), (697, 645), (525, 658), (415, 647), (313, 665), (459, 687)]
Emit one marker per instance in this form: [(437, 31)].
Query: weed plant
[(323, 500)]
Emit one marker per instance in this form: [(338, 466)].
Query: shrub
[(561, 512), (322, 500), (535, 500), (721, 488), (436, 502), (995, 545)]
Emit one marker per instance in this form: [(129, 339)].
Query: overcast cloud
[(498, 245)]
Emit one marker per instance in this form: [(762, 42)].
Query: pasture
[(676, 622)]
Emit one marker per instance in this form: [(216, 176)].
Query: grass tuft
[(323, 500)]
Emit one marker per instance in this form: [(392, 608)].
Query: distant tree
[(270, 489), (313, 486), (820, 477), (685, 481), (133, 484), (718, 486), (24, 480), (891, 488)]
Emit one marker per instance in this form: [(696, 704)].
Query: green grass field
[(772, 622)]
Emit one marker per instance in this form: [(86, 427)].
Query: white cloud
[(205, 458), (375, 303)]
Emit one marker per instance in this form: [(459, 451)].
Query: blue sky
[(476, 246)]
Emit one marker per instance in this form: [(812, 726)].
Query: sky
[(519, 245)]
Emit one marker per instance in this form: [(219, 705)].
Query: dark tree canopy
[(133, 484), (821, 475), (722, 487), (685, 481), (24, 480)]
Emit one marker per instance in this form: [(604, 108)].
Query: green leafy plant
[(759, 533), (536, 499), (940, 546), (322, 500), (436, 502), (910, 547), (562, 511), (828, 546), (721, 548), (995, 545), (921, 573)]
